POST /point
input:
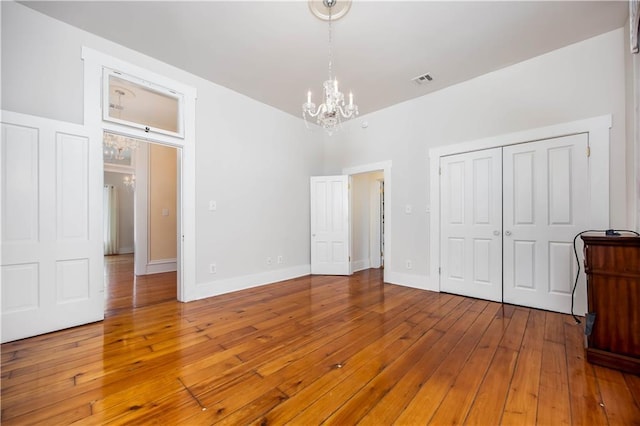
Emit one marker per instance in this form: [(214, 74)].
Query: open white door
[(330, 245), (52, 263), (471, 229)]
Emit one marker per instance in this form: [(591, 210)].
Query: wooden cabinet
[(612, 265)]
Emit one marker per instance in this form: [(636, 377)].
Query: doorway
[(141, 179), (96, 64), (367, 226), (332, 221)]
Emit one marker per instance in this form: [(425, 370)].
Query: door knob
[(507, 233), (496, 233)]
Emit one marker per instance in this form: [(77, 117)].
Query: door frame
[(597, 129), (94, 62), (385, 166)]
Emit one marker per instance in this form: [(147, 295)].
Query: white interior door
[(330, 239), (471, 224), (52, 263), (545, 205)]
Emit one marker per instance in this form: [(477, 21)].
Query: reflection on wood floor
[(334, 350), (124, 290)]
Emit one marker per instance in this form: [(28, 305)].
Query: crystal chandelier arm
[(308, 109), (351, 110)]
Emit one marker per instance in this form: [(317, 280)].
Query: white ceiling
[(275, 52)]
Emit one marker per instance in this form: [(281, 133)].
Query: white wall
[(360, 219), (125, 211), (254, 160), (579, 81), (364, 207), (632, 82)]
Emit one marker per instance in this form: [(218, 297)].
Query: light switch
[(212, 205), (407, 209), (165, 212)]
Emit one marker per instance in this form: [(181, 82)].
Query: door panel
[(545, 200), (471, 245), (52, 265), (330, 245)]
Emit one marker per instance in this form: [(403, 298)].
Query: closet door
[(471, 224), (545, 205)]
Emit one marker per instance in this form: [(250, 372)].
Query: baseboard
[(411, 280), (214, 288), (161, 266), (360, 265), (125, 250)]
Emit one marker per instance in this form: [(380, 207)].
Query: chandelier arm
[(350, 111), (312, 114)]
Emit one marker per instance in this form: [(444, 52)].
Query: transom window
[(138, 103)]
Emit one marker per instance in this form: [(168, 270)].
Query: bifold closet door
[(471, 224), (545, 203)]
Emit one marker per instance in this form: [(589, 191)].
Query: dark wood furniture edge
[(613, 360)]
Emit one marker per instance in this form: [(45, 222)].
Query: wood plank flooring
[(331, 350), (127, 291)]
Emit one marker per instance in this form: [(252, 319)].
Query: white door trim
[(598, 130), (385, 166), (94, 62)]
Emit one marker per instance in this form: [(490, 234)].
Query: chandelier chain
[(330, 51)]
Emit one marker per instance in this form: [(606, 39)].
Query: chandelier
[(130, 182), (115, 146), (330, 113)]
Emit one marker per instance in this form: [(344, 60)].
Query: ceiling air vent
[(424, 78)]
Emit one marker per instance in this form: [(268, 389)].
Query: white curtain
[(110, 209)]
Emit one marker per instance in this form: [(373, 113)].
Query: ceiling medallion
[(329, 9)]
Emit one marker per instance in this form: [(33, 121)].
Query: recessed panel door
[(545, 206), (330, 246), (471, 244), (52, 264)]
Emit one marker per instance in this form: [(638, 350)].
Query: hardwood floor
[(126, 291), (334, 350)]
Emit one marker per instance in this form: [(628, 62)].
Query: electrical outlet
[(408, 264), (212, 268), (269, 260), (280, 259)]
